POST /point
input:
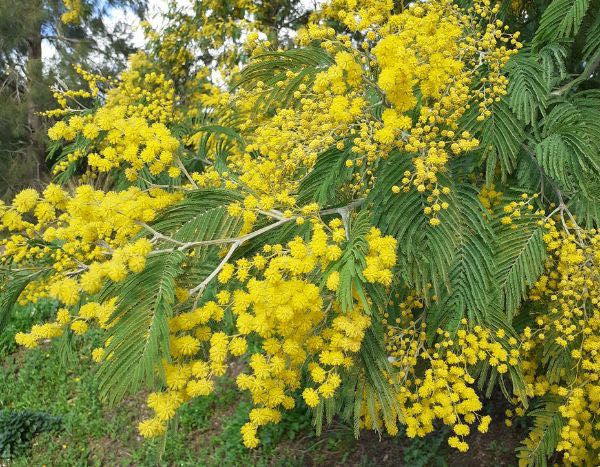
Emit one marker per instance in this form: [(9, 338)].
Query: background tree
[(70, 32)]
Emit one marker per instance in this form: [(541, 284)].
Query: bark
[(35, 79)]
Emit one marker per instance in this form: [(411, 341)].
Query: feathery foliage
[(144, 303)]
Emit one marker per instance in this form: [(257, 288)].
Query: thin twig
[(185, 172), (157, 235), (237, 242), (200, 287)]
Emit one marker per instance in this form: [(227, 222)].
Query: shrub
[(18, 428)]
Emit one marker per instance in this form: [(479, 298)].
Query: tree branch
[(200, 287), (587, 72), (343, 211)]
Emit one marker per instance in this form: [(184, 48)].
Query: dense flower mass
[(328, 225), (272, 299), (128, 132), (80, 241), (569, 325)]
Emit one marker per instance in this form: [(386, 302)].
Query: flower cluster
[(76, 243), (489, 197), (73, 12), (381, 258), (515, 209), (296, 325), (568, 323), (436, 136), (418, 52), (67, 97), (437, 383), (128, 132), (434, 48)]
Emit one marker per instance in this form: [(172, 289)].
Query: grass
[(61, 383)]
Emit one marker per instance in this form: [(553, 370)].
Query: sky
[(156, 9)]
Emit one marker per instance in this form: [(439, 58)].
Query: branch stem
[(343, 211)]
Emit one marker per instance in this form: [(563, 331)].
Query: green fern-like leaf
[(368, 385), (268, 62), (271, 67), (424, 252), (520, 255), (553, 155), (198, 268), (528, 87), (587, 104), (215, 137), (592, 43), (322, 182), (201, 215), (352, 263), (11, 286), (501, 139), (553, 57), (376, 367), (545, 434), (586, 205), (144, 303), (472, 266), (567, 151), (561, 21)]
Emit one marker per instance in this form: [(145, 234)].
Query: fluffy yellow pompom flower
[(79, 327), (201, 387), (65, 290), (25, 200), (152, 428), (333, 281), (484, 424), (311, 397), (238, 346)]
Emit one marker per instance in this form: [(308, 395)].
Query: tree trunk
[(35, 79)]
